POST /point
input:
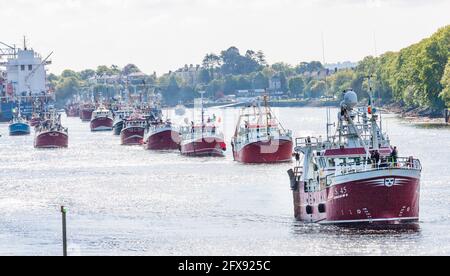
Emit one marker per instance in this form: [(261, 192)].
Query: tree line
[(417, 76)]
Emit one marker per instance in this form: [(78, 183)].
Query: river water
[(128, 201)]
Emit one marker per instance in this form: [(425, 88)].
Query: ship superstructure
[(24, 80), (355, 176)]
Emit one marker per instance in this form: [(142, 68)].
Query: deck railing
[(250, 136), (370, 165), (304, 142)]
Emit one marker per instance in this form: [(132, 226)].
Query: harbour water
[(128, 201)]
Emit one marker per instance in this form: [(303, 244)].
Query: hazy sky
[(160, 35)]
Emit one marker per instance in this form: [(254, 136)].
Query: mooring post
[(64, 230)]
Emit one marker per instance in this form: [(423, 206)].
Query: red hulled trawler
[(260, 138), (102, 119), (203, 139), (355, 177), (50, 133), (162, 135), (86, 111), (35, 120), (133, 130), (72, 110)]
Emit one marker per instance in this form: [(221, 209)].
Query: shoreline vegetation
[(413, 82)]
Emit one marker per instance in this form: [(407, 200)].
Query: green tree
[(297, 87), (233, 63), (318, 89), (66, 88), (205, 76), (445, 82), (130, 69), (284, 82), (260, 81), (212, 61), (231, 85), (285, 68), (87, 74), (309, 67), (70, 74), (244, 83), (215, 87), (172, 92)]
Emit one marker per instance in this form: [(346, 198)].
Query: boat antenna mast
[(202, 107), (266, 106)]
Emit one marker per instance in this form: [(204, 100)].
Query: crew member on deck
[(394, 156)]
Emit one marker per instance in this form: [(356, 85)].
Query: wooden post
[(447, 115), (64, 230)]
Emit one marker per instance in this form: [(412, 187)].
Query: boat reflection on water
[(301, 228)]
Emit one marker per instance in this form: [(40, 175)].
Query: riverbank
[(417, 114), (282, 103)]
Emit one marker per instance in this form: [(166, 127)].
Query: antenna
[(9, 52), (203, 110)]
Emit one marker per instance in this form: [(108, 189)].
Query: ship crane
[(9, 51)]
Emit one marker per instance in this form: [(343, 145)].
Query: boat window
[(323, 163), (331, 163), (30, 67), (22, 67), (342, 161)]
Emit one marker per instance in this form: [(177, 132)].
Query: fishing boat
[(86, 111), (51, 134), (19, 126), (119, 118), (355, 176), (202, 139), (102, 119), (260, 138), (72, 110), (133, 130), (161, 135), (35, 120)]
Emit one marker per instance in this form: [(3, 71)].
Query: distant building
[(105, 79), (190, 75), (250, 93), (341, 65), (319, 74)]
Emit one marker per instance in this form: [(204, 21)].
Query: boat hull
[(203, 147), (19, 129), (132, 136), (386, 197), (163, 140), (102, 124), (86, 115), (263, 152), (72, 113), (51, 139), (117, 128), (35, 122)]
